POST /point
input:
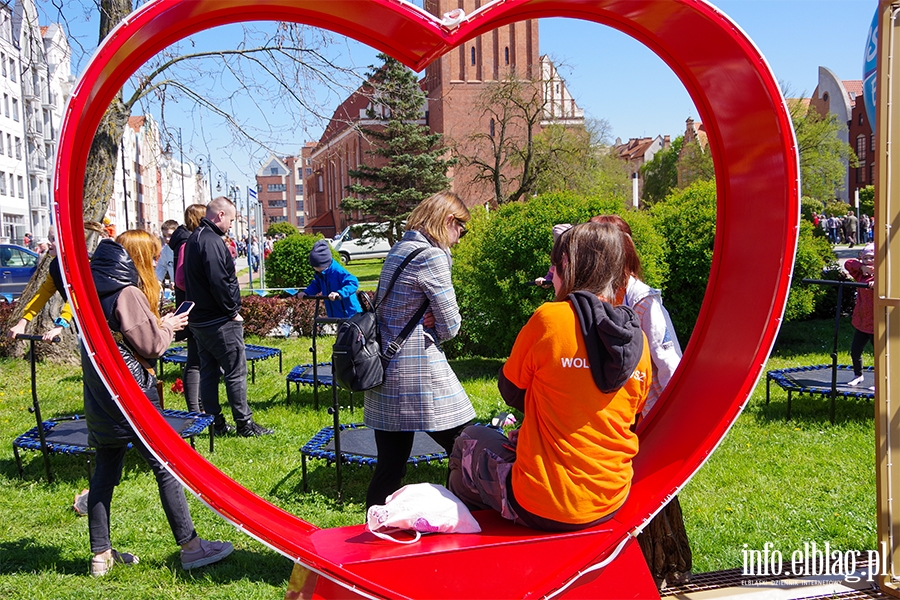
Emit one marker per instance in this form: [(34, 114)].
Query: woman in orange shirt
[(580, 371)]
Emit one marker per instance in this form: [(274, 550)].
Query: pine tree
[(409, 163)]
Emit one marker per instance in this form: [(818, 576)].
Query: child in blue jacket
[(332, 280)]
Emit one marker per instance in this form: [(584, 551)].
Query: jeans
[(106, 477), (221, 349), (192, 376), (394, 448)]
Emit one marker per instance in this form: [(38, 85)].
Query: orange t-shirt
[(573, 457)]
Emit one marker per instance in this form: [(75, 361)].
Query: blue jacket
[(336, 279)]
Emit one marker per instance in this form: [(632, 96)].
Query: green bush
[(509, 247), (814, 254), (288, 264), (282, 227), (867, 200), (808, 206), (686, 219)]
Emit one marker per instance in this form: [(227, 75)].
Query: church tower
[(454, 82)]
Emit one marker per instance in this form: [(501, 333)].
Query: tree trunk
[(98, 190)]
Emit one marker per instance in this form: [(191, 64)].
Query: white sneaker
[(855, 382)]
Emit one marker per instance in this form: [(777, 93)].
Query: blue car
[(17, 265)]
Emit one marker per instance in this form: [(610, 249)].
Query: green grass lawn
[(367, 271), (771, 480)]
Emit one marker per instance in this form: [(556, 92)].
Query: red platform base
[(514, 562)]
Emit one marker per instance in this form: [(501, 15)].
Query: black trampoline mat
[(362, 443), (305, 375), (74, 433), (821, 378)]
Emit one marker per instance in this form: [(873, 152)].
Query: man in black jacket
[(211, 283)]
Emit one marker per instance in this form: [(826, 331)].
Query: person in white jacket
[(664, 541), (665, 351)]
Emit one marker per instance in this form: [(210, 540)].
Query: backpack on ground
[(357, 361)]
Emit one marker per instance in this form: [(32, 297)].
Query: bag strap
[(396, 274), (397, 343)]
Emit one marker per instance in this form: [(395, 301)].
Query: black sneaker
[(220, 427), (252, 429)]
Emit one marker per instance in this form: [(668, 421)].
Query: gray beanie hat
[(320, 256)]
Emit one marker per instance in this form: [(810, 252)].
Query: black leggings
[(859, 342), (394, 448)]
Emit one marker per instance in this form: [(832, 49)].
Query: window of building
[(473, 55), (872, 172), (15, 109), (861, 148), (492, 127), (19, 148), (301, 220), (2, 183), (21, 187), (277, 203), (3, 63), (506, 54), (308, 171), (860, 118), (6, 104), (12, 69), (321, 183), (872, 145), (299, 206), (275, 187), (273, 171), (298, 189)]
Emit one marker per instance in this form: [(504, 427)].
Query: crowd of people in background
[(846, 229)]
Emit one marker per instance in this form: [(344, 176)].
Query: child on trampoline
[(863, 271), (334, 281), (580, 371)]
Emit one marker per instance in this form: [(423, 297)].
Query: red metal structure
[(755, 156)]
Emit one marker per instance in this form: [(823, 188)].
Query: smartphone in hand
[(184, 308)]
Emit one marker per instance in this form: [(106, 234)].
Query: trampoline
[(816, 380), (754, 149), (69, 435), (357, 447), (178, 355)]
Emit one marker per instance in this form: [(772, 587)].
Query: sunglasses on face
[(462, 228)]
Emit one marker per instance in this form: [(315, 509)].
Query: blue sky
[(610, 75)]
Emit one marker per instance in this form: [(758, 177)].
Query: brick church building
[(453, 85)]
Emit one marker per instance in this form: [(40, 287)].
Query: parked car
[(17, 265), (351, 248)]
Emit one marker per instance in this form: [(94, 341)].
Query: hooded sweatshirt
[(581, 371), (128, 313)]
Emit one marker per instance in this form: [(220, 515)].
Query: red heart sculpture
[(754, 151)]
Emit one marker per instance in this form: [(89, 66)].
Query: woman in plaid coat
[(420, 390)]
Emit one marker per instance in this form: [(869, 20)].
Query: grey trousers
[(221, 350)]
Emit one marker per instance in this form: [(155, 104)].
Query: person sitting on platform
[(334, 281), (580, 371), (863, 271)]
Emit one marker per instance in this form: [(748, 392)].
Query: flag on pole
[(251, 192)]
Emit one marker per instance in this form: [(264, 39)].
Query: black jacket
[(210, 280), (113, 271)]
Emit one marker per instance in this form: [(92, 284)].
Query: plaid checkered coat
[(420, 391)]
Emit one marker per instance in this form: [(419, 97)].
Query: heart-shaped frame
[(755, 155)]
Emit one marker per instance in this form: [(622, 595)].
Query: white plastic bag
[(421, 508)]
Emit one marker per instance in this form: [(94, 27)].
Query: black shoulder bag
[(357, 361)]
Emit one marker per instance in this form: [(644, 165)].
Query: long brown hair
[(632, 262), (192, 216), (143, 248), (590, 257), (430, 216)]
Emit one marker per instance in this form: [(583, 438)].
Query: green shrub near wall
[(509, 247), (814, 254), (288, 264), (686, 219)]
